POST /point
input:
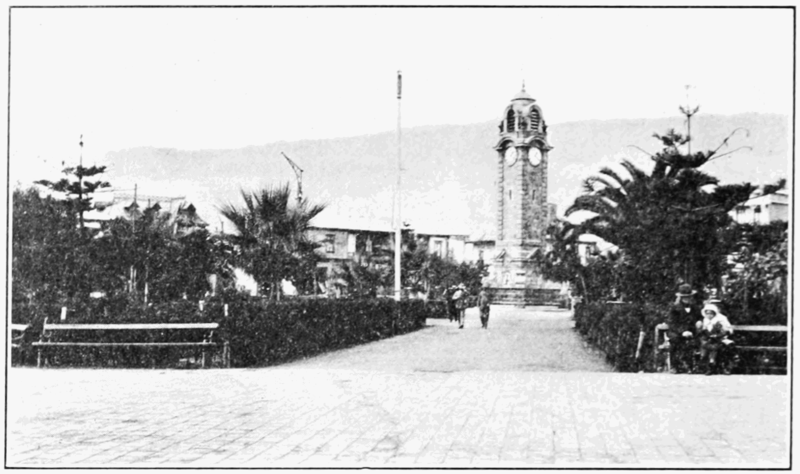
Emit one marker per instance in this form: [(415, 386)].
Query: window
[(511, 122), (351, 244), (534, 119), (329, 241), (369, 245)]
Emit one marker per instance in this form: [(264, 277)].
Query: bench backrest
[(132, 326), (760, 328), (741, 327)]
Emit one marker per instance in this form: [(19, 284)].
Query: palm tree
[(666, 223), (560, 260), (272, 235)]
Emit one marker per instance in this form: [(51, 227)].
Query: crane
[(299, 173)]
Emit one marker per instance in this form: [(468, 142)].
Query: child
[(714, 330)]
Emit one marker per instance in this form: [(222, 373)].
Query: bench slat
[(18, 327), (761, 328), (123, 344), (90, 327), (761, 348)]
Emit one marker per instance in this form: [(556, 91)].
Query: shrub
[(263, 332), (614, 330), (259, 332)]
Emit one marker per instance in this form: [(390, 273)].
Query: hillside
[(449, 170)]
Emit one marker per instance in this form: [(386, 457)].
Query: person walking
[(450, 302), (681, 320), (483, 306), (460, 299)]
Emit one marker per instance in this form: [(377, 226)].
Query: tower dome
[(522, 95)]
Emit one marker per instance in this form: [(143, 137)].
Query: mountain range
[(449, 171)]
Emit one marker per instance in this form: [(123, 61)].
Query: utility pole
[(299, 175), (688, 112), (398, 238)]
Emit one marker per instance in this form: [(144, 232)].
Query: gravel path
[(518, 339)]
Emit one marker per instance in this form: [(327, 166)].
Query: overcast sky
[(226, 78)]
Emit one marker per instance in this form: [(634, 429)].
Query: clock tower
[(522, 208)]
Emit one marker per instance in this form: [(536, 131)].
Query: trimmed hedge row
[(275, 332), (259, 332), (614, 330)]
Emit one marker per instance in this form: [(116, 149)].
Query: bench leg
[(39, 357)]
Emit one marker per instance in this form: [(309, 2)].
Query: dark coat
[(483, 300), (679, 320)]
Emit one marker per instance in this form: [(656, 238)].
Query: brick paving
[(525, 393)]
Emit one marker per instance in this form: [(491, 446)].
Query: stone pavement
[(525, 393)]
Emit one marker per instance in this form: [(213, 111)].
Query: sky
[(200, 78)]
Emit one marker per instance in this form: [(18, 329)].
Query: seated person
[(681, 319), (713, 332)]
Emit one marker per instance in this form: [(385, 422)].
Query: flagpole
[(398, 238)]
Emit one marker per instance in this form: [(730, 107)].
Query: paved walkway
[(525, 393)]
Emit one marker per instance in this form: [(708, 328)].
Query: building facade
[(369, 242), (763, 209)]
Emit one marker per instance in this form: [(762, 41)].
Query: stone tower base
[(527, 296)]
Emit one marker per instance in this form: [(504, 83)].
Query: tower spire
[(523, 85)]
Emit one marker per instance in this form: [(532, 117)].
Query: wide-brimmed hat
[(711, 307), (685, 290)]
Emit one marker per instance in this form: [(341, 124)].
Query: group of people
[(457, 298), (694, 330)]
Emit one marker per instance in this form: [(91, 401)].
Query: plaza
[(525, 393)]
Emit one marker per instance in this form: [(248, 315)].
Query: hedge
[(614, 330), (259, 332)]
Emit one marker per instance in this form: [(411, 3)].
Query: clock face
[(535, 156), (511, 155)]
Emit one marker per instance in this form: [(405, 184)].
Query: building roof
[(328, 221), (522, 95), (111, 204)]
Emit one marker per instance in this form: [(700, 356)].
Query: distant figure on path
[(483, 305), (450, 302), (460, 299), (681, 321)]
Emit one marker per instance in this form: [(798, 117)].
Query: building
[(110, 204), (350, 240), (763, 209), (523, 215)]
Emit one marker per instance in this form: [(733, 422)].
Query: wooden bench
[(760, 329), (50, 337), (736, 329)]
